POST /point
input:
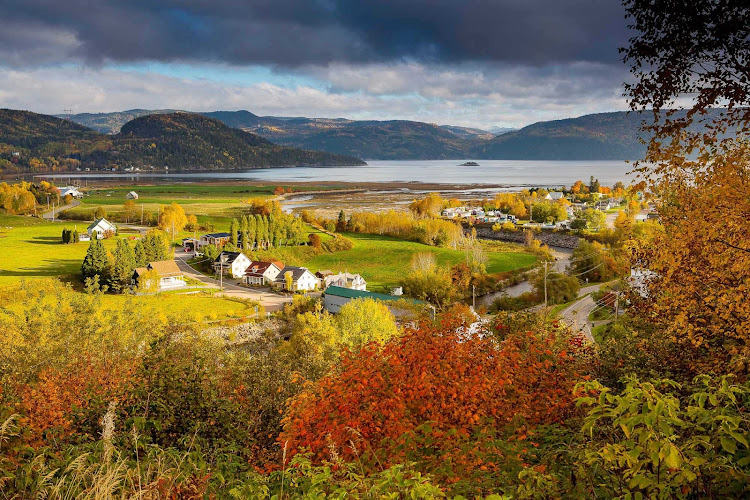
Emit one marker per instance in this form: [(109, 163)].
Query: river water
[(505, 174)]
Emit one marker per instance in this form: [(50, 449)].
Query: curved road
[(52, 214)]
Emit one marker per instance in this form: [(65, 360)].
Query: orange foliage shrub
[(436, 374), (48, 405)]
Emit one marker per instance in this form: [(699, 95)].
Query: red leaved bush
[(48, 405), (436, 374)]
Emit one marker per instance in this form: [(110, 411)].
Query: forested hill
[(387, 140), (603, 136), (31, 142)]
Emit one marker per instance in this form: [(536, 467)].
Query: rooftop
[(350, 293)]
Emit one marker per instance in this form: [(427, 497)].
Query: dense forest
[(31, 142)]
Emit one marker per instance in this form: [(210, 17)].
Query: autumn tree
[(129, 210), (365, 320), (432, 374), (100, 213), (432, 284), (172, 219), (429, 206), (698, 170), (315, 242)]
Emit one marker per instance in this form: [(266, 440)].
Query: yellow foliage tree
[(172, 219), (365, 320)]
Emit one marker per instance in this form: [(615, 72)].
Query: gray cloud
[(448, 96), (299, 32)]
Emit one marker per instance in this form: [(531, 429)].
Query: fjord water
[(506, 173)]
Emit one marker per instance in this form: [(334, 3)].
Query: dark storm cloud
[(298, 32)]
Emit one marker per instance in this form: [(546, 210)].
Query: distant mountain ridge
[(31, 142), (601, 136)]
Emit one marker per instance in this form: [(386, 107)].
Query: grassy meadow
[(32, 248), (383, 260)]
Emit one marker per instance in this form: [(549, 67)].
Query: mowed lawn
[(383, 261)]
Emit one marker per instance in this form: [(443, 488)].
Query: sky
[(474, 63)]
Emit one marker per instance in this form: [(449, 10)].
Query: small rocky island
[(469, 164)]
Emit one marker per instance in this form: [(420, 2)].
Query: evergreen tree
[(233, 232), (341, 222), (124, 265), (139, 254), (66, 236), (96, 262), (75, 238), (155, 247)]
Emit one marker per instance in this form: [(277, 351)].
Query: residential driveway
[(49, 215), (271, 301)]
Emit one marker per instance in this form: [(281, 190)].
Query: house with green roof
[(335, 297)]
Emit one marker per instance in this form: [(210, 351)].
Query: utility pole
[(222, 260), (617, 304)]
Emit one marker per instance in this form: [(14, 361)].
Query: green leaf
[(728, 445), (673, 457)]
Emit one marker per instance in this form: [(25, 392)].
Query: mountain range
[(31, 142), (602, 136)]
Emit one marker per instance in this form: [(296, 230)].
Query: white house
[(232, 263), (344, 280), (262, 273), (70, 190), (102, 227), (554, 195), (131, 196), (302, 279), (170, 276)]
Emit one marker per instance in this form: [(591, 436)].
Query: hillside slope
[(385, 140), (603, 136), (187, 141), (31, 142)]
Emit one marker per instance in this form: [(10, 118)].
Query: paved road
[(271, 301), (562, 258), (52, 214), (577, 314)]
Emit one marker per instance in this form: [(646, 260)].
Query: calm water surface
[(505, 173)]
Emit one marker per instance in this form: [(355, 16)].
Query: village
[(270, 258)]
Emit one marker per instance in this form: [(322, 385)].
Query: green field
[(383, 261), (182, 194), (32, 248)]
